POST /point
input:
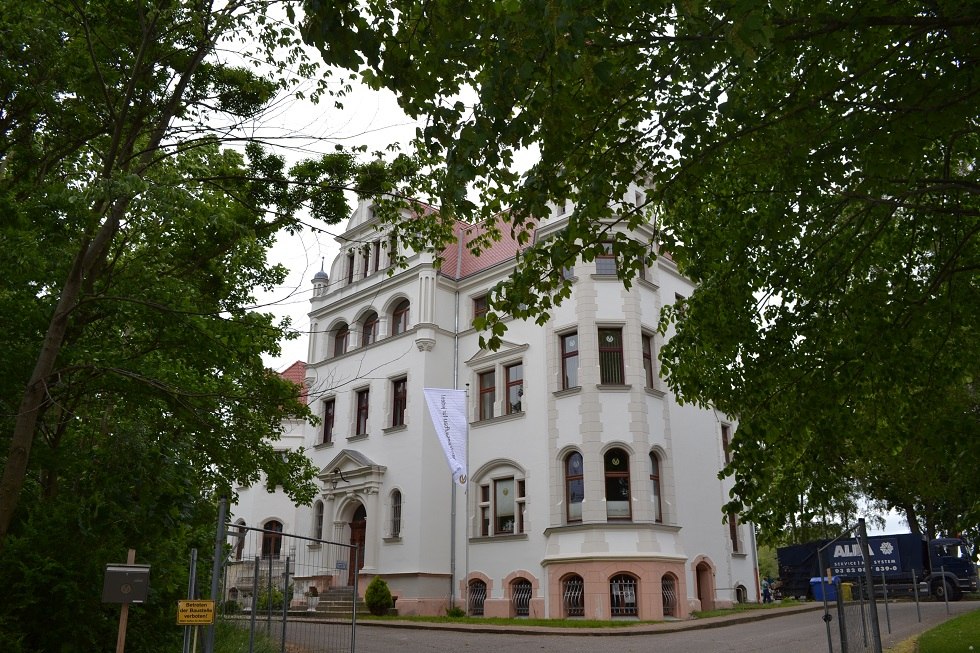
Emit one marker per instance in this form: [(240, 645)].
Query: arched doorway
[(358, 526), (706, 586)]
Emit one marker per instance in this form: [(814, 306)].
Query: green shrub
[(378, 596), (455, 612), (231, 606), (269, 594)]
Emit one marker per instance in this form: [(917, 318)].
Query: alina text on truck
[(943, 567)]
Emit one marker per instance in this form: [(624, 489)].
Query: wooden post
[(124, 611)]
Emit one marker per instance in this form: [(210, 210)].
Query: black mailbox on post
[(126, 583)]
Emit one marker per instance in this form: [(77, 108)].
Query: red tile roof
[(297, 374), (458, 263)]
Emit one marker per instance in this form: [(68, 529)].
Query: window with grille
[(668, 588), (573, 596), (477, 597), (521, 596), (605, 263), (611, 370), (622, 596)]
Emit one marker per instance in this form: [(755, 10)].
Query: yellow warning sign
[(195, 613)]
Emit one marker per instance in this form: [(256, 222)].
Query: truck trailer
[(944, 567)]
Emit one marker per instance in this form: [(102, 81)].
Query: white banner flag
[(447, 408)]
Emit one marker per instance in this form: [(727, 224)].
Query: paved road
[(802, 632)]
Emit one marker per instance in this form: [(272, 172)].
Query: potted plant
[(312, 598)]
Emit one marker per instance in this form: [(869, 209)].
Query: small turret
[(320, 282)]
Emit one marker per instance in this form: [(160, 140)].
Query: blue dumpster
[(817, 585)]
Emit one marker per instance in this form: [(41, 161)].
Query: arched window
[(573, 595), (399, 318), (622, 596), (668, 587), (617, 473), (574, 487), (656, 495), (396, 513), (477, 597), (520, 596), (318, 520), (369, 330), (340, 338), (272, 539)]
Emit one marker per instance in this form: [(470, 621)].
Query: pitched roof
[(297, 374), (459, 262)]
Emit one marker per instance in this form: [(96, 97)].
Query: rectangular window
[(503, 506), (484, 510), (514, 375), (399, 401), (647, 342), (726, 442), (361, 426), (569, 361), (328, 415), (480, 305), (392, 251), (488, 394), (350, 268), (377, 254), (733, 531), (605, 263), (611, 357), (502, 509), (365, 262)]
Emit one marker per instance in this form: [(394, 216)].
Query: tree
[(812, 166), (136, 210)]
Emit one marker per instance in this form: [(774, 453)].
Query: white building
[(591, 491)]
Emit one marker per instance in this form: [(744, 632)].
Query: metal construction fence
[(299, 593), (862, 604)]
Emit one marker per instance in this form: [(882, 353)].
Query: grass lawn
[(581, 623), (954, 636)]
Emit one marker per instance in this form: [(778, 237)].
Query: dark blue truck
[(943, 566)]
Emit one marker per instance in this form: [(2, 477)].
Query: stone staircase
[(335, 603)]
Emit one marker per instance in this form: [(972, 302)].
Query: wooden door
[(358, 526)]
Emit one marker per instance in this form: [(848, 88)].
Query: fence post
[(884, 593), (286, 599), (191, 585), (873, 612), (915, 590), (841, 623), (219, 547), (255, 604), (945, 588)]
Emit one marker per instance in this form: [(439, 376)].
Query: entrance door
[(705, 586), (358, 525)]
